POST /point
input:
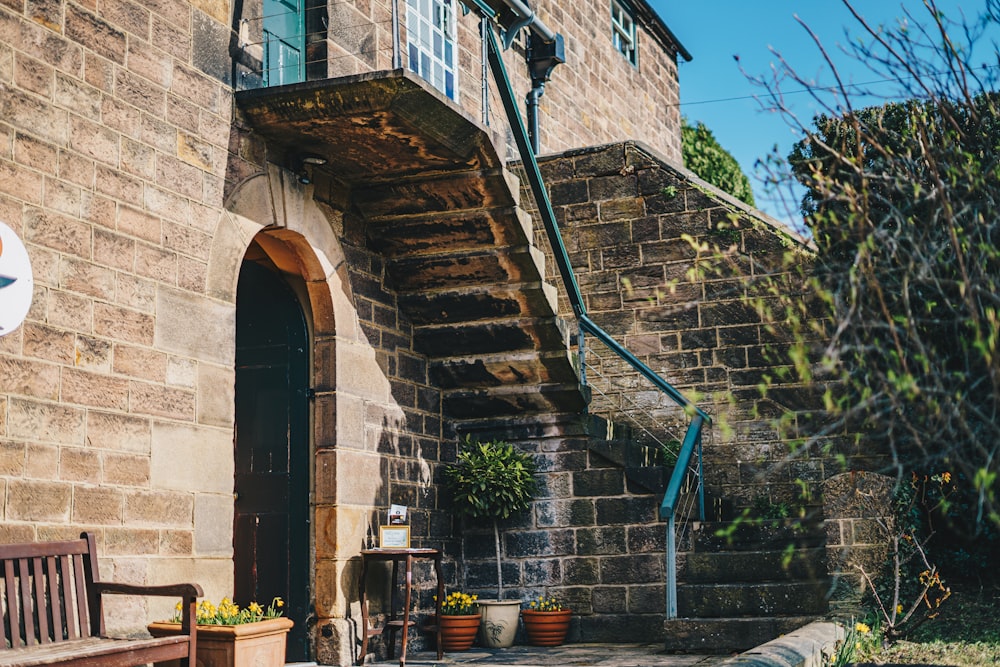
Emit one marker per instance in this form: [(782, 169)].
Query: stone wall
[(634, 227), (115, 399), (138, 198), (591, 538)]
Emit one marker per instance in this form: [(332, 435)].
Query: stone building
[(282, 262)]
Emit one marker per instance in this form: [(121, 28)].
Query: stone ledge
[(806, 647)]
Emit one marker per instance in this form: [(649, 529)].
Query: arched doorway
[(271, 533)]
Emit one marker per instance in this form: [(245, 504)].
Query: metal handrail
[(692, 437)]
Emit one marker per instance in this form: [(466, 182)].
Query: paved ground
[(606, 655)]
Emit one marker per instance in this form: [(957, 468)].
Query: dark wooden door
[(271, 520)]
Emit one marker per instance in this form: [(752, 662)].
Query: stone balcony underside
[(443, 211)]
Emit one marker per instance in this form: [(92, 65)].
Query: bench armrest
[(188, 592), (176, 590)]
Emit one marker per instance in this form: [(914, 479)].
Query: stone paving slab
[(570, 655)]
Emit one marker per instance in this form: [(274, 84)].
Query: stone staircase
[(436, 202), (742, 589), (471, 283)]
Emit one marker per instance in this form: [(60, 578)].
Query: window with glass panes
[(284, 42), (623, 31), (430, 36)]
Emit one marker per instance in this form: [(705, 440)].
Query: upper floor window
[(623, 31), (284, 42), (430, 37)]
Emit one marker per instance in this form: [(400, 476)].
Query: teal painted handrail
[(692, 438)]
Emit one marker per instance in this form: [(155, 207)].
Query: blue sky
[(715, 31)]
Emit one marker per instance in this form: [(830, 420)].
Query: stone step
[(493, 402), (423, 234), (474, 190), (513, 264), (747, 599), (490, 337), (742, 566), (482, 302), (508, 368), (751, 535), (727, 635)]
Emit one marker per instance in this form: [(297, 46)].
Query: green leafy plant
[(229, 613), (542, 603), (859, 638), (704, 156), (491, 480), (457, 603)]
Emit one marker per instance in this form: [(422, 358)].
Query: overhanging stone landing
[(439, 205)]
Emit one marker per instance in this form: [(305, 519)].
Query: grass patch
[(966, 634)]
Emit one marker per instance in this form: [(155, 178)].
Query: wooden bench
[(51, 601)]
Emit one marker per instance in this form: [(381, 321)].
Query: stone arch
[(271, 212)]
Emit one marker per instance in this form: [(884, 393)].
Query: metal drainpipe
[(526, 17), (542, 59), (531, 109)]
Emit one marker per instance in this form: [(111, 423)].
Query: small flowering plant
[(229, 613), (543, 603), (459, 604)]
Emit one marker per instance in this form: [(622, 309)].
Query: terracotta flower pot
[(260, 644), (458, 632), (546, 628)]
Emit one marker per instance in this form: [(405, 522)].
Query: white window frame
[(623, 32), (432, 43)]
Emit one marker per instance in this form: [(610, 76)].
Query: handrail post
[(397, 55), (671, 569), (701, 480), (484, 25)]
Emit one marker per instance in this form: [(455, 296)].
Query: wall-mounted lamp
[(299, 166)]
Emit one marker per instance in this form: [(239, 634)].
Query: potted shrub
[(546, 622), (231, 636), (459, 621), (493, 481)]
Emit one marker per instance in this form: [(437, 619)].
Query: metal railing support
[(397, 51)]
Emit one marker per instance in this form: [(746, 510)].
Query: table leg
[(406, 610), (440, 599), (392, 607), (363, 596)]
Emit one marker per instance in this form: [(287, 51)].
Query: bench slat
[(38, 578), (66, 596), (81, 597), (13, 607), (52, 600), (27, 614)]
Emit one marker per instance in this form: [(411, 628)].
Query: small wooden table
[(394, 624)]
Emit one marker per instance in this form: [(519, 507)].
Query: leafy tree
[(491, 480), (705, 157), (903, 202)]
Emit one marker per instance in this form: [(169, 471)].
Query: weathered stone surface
[(213, 524), (32, 500), (191, 458), (45, 422), (194, 326)]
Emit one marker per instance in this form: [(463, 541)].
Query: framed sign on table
[(394, 537)]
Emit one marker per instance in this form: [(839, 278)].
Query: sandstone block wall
[(113, 155), (596, 97)]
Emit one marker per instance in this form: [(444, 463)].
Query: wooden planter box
[(260, 644)]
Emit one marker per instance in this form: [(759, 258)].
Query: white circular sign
[(16, 282)]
